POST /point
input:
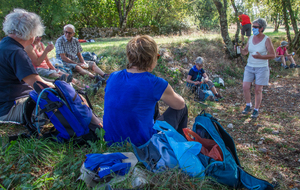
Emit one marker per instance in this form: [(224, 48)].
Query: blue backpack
[(63, 106), (228, 171)]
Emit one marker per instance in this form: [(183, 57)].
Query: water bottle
[(238, 50), (293, 53)]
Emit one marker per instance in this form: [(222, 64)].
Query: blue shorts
[(278, 59)]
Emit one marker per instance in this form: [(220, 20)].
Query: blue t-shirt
[(14, 66), (129, 106), (196, 74)]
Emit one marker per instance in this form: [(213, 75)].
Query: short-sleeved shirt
[(71, 48), (129, 106), (281, 51), (196, 74), (244, 19), (14, 66)]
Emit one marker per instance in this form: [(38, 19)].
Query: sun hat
[(284, 43)]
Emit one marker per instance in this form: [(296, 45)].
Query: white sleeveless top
[(262, 49)]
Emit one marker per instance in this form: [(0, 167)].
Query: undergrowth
[(44, 164)]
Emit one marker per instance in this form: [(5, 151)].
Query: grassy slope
[(42, 164)]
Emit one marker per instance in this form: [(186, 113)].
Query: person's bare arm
[(30, 80), (66, 59), (173, 99), (205, 77), (287, 54), (34, 58), (50, 64), (189, 80), (47, 60), (244, 50), (80, 57), (271, 52)]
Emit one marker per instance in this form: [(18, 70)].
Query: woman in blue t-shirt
[(195, 76), (132, 94)]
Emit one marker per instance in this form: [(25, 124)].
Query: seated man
[(69, 51), (195, 76), (282, 56), (17, 74)]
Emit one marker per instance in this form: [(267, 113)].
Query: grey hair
[(261, 22), (23, 24), (70, 26), (199, 61)]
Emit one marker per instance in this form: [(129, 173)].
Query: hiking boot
[(98, 78), (93, 88), (106, 76), (254, 114), (63, 77), (292, 65), (218, 97), (97, 86), (246, 110), (286, 67), (69, 78)]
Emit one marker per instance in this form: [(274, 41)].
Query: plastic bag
[(209, 147), (56, 62), (185, 151)]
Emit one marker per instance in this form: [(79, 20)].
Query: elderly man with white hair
[(69, 51), (17, 74)]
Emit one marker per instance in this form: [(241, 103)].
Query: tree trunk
[(276, 21), (222, 8), (123, 11), (237, 20), (286, 21), (294, 24)]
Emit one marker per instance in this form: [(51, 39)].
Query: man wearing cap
[(69, 51), (282, 56), (246, 25)]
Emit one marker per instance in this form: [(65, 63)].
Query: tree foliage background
[(164, 16)]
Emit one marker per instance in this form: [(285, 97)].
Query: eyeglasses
[(66, 32), (256, 27), (158, 56)]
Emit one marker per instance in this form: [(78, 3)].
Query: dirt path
[(272, 140)]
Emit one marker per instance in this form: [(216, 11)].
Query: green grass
[(43, 164)]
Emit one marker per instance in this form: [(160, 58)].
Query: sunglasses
[(66, 32), (256, 27), (158, 56)]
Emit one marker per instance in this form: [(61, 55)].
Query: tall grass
[(43, 164)]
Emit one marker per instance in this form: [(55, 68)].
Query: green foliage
[(207, 15), (163, 16)]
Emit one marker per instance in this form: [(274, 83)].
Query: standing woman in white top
[(260, 49)]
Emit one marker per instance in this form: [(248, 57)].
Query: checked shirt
[(71, 48)]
